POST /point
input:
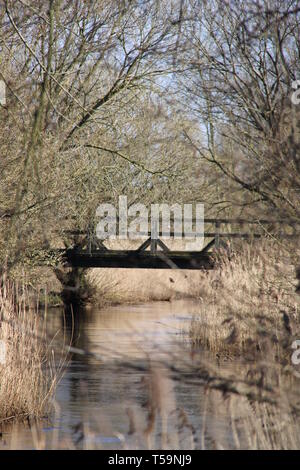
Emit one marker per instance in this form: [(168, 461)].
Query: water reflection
[(108, 401)]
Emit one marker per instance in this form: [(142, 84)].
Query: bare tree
[(240, 84), (86, 118)]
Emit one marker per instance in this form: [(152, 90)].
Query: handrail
[(240, 221)]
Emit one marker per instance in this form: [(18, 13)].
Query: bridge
[(153, 253)]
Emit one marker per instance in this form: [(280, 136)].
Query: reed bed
[(119, 286), (249, 304), (28, 376)]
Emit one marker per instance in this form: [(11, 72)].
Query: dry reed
[(248, 304), (27, 373)]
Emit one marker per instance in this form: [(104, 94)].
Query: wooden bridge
[(154, 254)]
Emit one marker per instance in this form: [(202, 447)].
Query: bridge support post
[(154, 234), (153, 245), (217, 235)]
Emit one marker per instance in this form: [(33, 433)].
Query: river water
[(121, 395)]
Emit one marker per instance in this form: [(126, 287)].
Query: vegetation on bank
[(28, 374), (249, 304)]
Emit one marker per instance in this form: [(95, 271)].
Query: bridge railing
[(268, 228)]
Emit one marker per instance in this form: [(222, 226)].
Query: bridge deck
[(139, 259)]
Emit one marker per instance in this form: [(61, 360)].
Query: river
[(121, 395)]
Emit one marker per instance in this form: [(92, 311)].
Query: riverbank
[(249, 304), (134, 286)]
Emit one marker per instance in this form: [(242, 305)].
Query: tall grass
[(248, 304), (119, 286), (27, 374)]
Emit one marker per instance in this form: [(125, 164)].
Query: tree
[(240, 68), (86, 119)]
